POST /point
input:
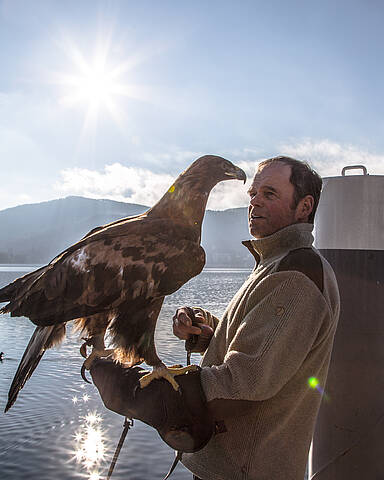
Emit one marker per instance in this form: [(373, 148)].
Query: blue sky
[(113, 99)]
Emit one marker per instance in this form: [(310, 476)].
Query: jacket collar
[(297, 235)]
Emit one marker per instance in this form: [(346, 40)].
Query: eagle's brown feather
[(110, 273)]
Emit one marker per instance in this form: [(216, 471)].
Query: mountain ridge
[(35, 233)]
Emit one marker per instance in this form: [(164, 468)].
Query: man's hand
[(185, 327), (182, 324)]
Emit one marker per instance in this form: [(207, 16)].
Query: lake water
[(59, 428)]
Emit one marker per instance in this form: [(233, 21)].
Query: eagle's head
[(205, 172), (187, 198)]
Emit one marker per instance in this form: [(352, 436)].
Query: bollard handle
[(354, 167)]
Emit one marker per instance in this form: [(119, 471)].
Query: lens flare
[(313, 382)]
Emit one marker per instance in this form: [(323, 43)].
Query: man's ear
[(304, 208)]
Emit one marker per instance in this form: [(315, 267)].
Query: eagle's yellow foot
[(96, 354), (168, 373)]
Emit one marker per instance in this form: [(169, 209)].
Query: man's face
[(271, 200)]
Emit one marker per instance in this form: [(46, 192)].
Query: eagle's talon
[(88, 342), (135, 391), (83, 369), (91, 358), (83, 350)]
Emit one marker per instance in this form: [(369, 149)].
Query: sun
[(95, 82), (96, 88)]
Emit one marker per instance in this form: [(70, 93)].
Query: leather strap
[(173, 466), (128, 423)]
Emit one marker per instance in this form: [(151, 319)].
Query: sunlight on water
[(90, 444), (94, 476)]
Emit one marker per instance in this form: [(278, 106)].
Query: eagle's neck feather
[(184, 206)]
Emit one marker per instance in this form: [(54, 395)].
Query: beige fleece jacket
[(276, 333)]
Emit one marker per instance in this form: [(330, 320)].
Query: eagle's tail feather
[(4, 310), (7, 292), (42, 339)]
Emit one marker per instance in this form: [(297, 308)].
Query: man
[(274, 341), (275, 335)]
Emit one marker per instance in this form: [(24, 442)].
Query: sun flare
[(96, 85), (96, 82)]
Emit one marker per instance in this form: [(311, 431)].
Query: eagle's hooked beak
[(237, 174)]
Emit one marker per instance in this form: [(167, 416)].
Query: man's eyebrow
[(269, 187), (264, 187)]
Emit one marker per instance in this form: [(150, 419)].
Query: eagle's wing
[(112, 224), (135, 262), (22, 284)]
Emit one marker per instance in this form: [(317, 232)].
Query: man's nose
[(256, 200)]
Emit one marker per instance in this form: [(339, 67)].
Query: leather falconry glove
[(182, 420)]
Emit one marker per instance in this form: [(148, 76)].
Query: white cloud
[(233, 194), (230, 194), (140, 185), (329, 157), (116, 182), (325, 156)]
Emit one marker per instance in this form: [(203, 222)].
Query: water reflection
[(90, 444)]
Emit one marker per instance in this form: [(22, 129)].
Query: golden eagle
[(117, 276)]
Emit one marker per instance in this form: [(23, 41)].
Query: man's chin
[(256, 233)]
